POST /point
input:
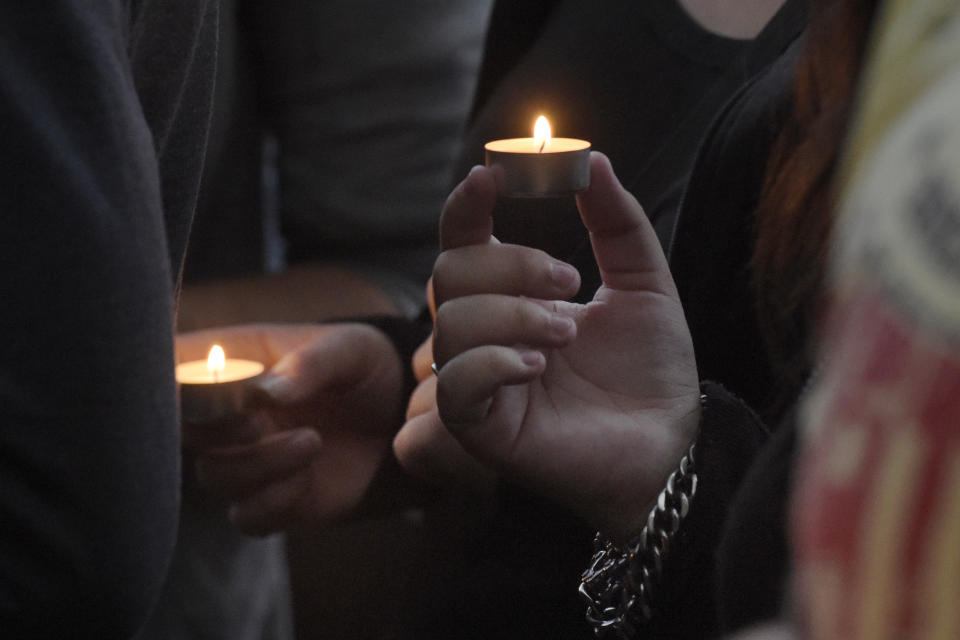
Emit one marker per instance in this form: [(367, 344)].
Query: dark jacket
[(729, 569), (104, 108)]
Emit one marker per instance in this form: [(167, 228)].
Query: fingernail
[(562, 274), (306, 439), (532, 359), (277, 387), (562, 327)]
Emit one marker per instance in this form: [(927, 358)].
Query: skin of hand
[(591, 405), (319, 425), (423, 446)]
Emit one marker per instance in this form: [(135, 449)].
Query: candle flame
[(541, 133), (217, 360)]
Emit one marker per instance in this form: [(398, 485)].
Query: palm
[(599, 425), (599, 402)]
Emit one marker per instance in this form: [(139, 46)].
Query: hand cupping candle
[(541, 166)]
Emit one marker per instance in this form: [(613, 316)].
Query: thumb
[(466, 218), (624, 242), (339, 358)]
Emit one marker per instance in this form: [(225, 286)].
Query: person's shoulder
[(758, 109), (732, 156)]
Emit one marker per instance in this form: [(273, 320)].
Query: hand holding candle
[(541, 166), (517, 387), (312, 428)]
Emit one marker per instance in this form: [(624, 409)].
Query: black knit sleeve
[(730, 437)]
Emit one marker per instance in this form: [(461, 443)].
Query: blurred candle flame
[(541, 133), (217, 360)]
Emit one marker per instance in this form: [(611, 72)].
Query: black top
[(640, 80), (716, 228), (104, 109), (728, 570)]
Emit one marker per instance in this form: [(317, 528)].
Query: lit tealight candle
[(541, 166), (216, 387)]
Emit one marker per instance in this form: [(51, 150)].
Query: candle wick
[(542, 145), (216, 376)]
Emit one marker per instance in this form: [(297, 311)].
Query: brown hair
[(794, 214)]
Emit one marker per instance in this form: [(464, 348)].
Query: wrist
[(621, 583), (642, 483)]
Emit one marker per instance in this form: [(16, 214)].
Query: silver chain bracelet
[(620, 582)]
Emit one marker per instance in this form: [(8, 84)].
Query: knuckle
[(452, 328), (440, 326), (529, 317), (444, 270), (413, 445), (445, 399), (537, 263), (450, 403), (530, 264), (442, 319), (492, 360)]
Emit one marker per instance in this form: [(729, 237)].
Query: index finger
[(467, 216)]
